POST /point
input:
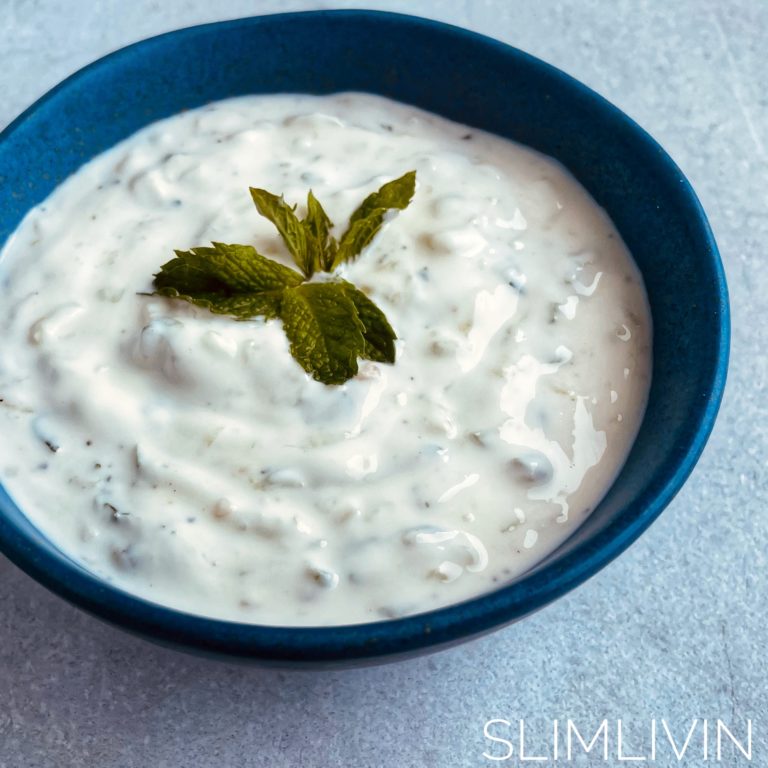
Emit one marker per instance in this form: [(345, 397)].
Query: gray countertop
[(675, 628)]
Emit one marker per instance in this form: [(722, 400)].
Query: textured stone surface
[(675, 628)]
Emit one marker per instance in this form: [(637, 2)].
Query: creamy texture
[(186, 457)]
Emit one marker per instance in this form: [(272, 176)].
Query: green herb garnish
[(329, 324)]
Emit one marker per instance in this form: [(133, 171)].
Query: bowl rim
[(373, 642)]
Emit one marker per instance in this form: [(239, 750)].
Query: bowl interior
[(470, 79)]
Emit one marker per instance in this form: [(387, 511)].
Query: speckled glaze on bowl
[(465, 77)]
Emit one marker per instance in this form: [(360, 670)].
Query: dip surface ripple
[(187, 458)]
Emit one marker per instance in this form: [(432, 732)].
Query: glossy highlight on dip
[(189, 459)]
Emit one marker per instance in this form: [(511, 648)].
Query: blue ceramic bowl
[(471, 79)]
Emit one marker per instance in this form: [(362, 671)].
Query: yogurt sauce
[(187, 458)]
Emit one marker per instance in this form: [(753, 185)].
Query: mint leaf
[(358, 237), (321, 245), (394, 194), (324, 329), (367, 219), (378, 335), (284, 217), (227, 279)]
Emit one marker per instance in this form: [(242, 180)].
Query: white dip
[(187, 458)]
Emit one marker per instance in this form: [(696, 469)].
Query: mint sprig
[(330, 324)]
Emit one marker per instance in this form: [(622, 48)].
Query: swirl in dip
[(187, 458)]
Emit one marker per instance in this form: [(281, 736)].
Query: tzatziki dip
[(186, 456)]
